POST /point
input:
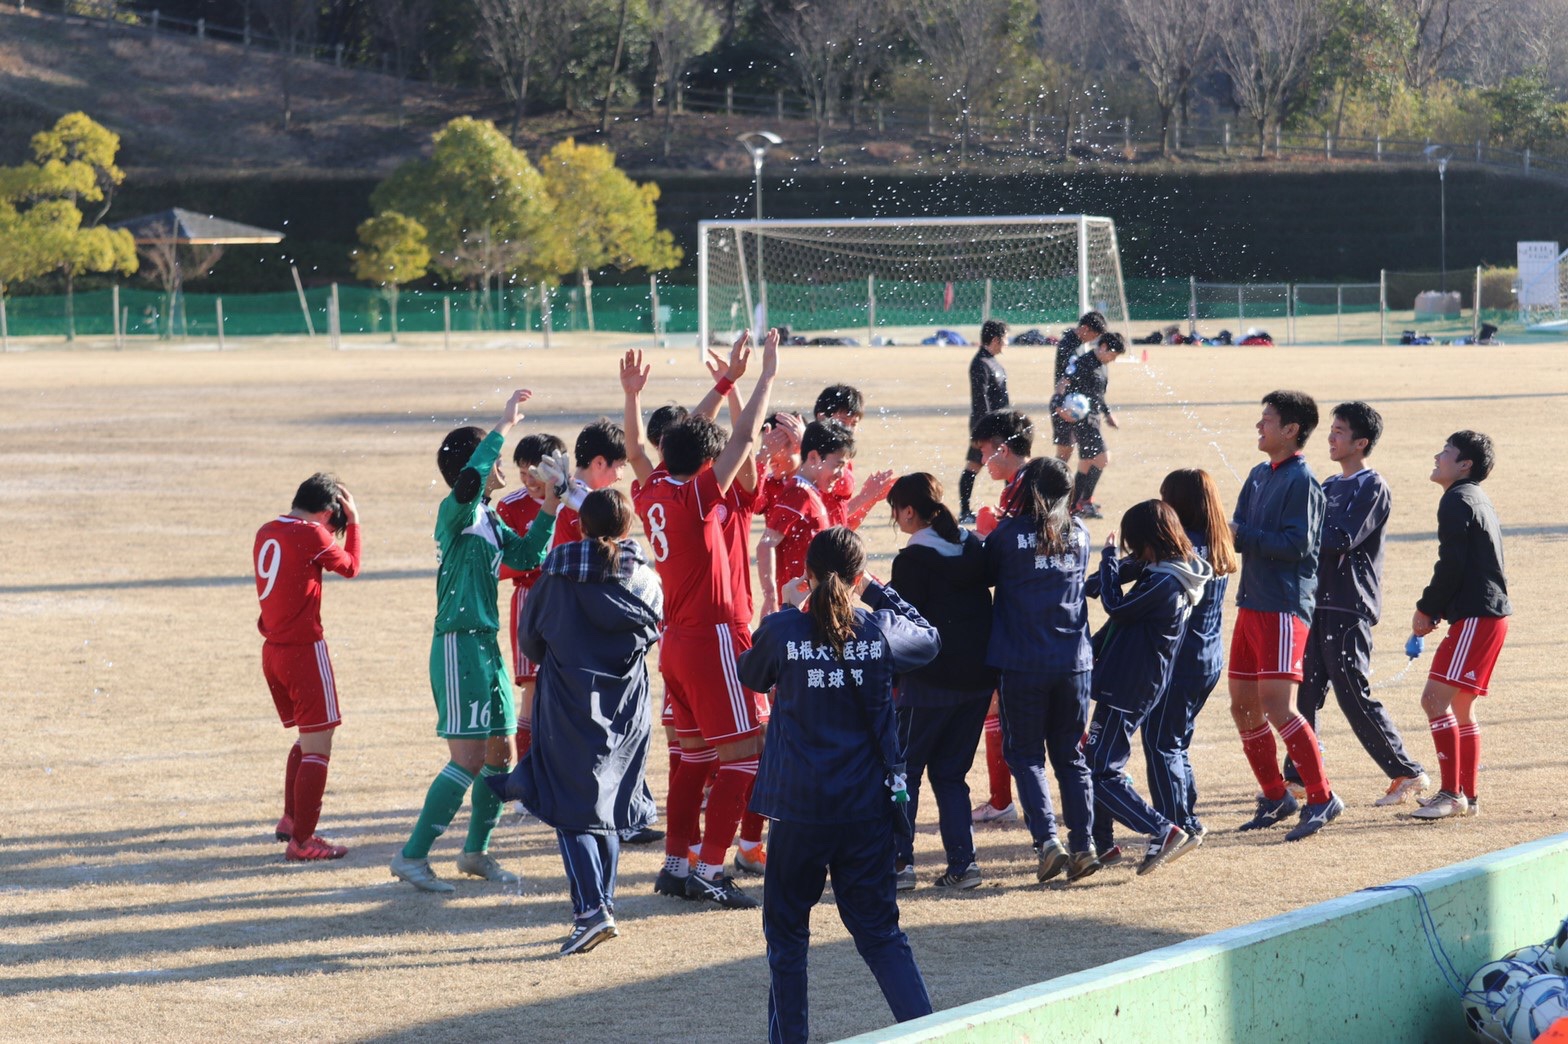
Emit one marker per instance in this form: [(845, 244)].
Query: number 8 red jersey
[(288, 557), (684, 528)]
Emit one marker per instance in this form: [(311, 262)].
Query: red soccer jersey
[(518, 510), (1008, 502), (289, 556), (686, 536), (736, 515), (799, 513)]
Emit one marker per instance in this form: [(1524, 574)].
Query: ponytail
[(606, 517), (834, 559), (1043, 488), (922, 492)]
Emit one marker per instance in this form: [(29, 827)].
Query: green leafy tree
[(484, 207), (394, 253), (602, 217), (1525, 114)]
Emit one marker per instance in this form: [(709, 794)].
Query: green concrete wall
[(1354, 969)]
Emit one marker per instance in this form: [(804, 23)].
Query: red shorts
[(1469, 652), (303, 690), (1267, 645), (523, 669), (703, 693)]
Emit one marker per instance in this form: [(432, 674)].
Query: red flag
[(947, 298)]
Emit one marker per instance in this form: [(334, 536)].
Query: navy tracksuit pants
[(860, 858), (1110, 745), (1046, 713), (1167, 736), (591, 864), (940, 742), (1339, 654)]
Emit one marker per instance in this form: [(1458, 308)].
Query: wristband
[(724, 385)]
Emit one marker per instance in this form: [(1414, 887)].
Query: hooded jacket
[(1039, 622), (1202, 651), (589, 624), (947, 583), (1136, 649)]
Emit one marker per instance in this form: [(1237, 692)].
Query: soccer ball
[(1075, 407), (1559, 947), (1534, 1007), (1539, 956), (1492, 986)]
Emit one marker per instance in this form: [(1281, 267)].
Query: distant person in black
[(1086, 375), (987, 392), (1080, 339)]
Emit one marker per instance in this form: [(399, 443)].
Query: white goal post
[(854, 275)]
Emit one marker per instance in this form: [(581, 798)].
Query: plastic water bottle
[(1415, 646)]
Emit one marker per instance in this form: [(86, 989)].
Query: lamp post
[(756, 144), (1442, 221)]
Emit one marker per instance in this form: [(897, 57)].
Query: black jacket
[(987, 385), (1468, 579), (1087, 376), (948, 584)]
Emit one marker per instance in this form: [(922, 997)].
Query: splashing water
[(1150, 371)]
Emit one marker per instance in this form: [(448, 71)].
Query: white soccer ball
[(1075, 407), (1539, 956), (1489, 990), (1534, 1008)]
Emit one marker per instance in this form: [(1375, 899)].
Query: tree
[(1072, 39), (77, 156), (872, 37), (961, 41), (1269, 51), (483, 205), (1169, 39), (402, 26), (293, 23), (171, 264), (1435, 28), (816, 36), (1524, 112), (602, 217), (516, 35), (394, 253), (681, 30)]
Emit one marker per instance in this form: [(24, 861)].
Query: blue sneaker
[(1270, 813), (1315, 817)]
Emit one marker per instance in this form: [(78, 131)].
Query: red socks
[(683, 808), (996, 767), (309, 785), (525, 738), (1445, 737), (1302, 744), (751, 824), (1263, 756), (1469, 757), (726, 803), (290, 774)]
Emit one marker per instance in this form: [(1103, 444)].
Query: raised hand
[(740, 355), (879, 483), (634, 372), (346, 501), (796, 591), (514, 407), (770, 352)]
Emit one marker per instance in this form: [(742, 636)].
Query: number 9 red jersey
[(289, 556)]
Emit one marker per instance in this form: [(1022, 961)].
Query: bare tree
[(1170, 40), (171, 264), (960, 38), (293, 23), (872, 36), (1268, 50), (681, 30), (1437, 27), (516, 36), (1521, 37), (816, 36), (1073, 39), (402, 26)]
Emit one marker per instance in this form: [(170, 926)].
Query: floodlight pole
[(756, 144), (1442, 221)]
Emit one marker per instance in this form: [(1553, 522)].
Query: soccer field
[(143, 897)]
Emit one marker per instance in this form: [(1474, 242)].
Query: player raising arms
[(289, 555), (714, 715), (518, 509), (801, 509), (1278, 526), (1468, 590), (475, 713)]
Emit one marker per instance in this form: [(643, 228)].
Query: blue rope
[(1440, 957)]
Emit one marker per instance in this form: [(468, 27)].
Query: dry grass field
[(142, 896)]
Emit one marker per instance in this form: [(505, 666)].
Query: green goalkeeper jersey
[(472, 542)]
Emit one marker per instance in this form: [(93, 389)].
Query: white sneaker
[(985, 812), (417, 872), (483, 864), (1443, 806), (1401, 787)]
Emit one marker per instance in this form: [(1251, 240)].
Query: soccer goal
[(853, 277)]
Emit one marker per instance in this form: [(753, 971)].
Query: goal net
[(854, 277)]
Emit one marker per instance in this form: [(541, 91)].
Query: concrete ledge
[(1354, 969)]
